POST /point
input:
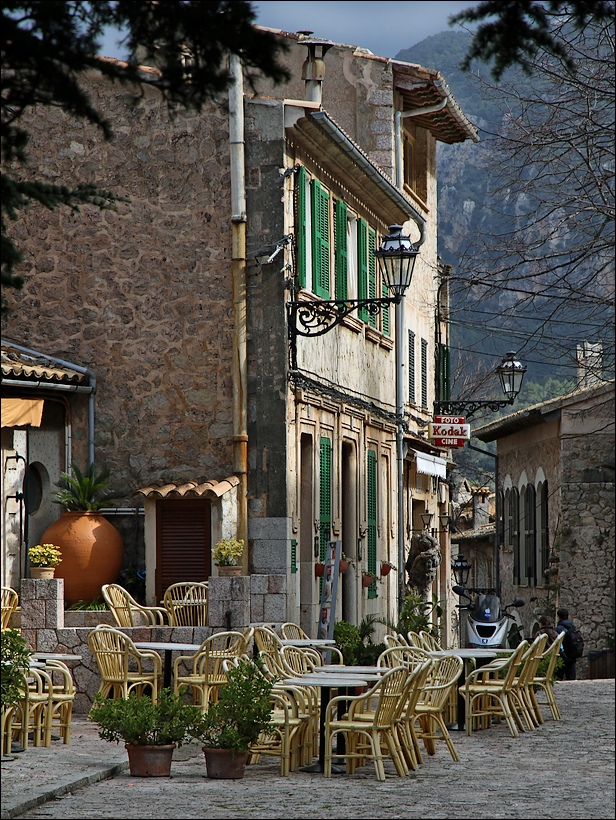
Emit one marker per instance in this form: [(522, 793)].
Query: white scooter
[(488, 623)]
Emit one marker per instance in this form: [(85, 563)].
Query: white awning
[(430, 465)]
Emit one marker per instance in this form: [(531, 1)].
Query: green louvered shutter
[(325, 496), (320, 241), (411, 367), (294, 555), (362, 266), (372, 294), (371, 516), (443, 375), (424, 373), (302, 227), (342, 290)]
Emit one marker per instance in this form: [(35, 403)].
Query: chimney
[(481, 511), (589, 357), (313, 69)]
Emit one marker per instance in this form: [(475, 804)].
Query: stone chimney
[(589, 357), (481, 511), (313, 69)]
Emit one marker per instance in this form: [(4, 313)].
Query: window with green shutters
[(294, 555), (362, 265), (301, 231), (372, 285), (371, 518), (341, 250), (320, 240), (325, 496), (411, 367), (424, 373)]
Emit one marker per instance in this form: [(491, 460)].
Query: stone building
[(214, 418), (556, 479)]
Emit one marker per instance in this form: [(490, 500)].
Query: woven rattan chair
[(61, 691), (487, 691), (409, 656), (122, 665), (523, 682), (428, 641), (544, 682), (10, 602), (293, 632), (267, 640), (205, 667), (127, 612), (382, 706), (433, 702), (186, 603)]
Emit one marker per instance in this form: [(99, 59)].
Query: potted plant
[(345, 563), (319, 569), (237, 719), (91, 547), (367, 578), (44, 558), (227, 554), (386, 568), (15, 664), (150, 731)]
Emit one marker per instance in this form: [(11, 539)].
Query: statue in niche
[(423, 561)]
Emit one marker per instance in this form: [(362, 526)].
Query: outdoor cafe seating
[(127, 612), (187, 603), (123, 667)]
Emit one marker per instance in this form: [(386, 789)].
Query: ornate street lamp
[(511, 374), (461, 569), (426, 519)]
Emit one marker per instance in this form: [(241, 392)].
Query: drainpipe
[(412, 112), (91, 389), (238, 275)]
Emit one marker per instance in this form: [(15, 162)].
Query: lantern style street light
[(510, 373), (461, 569)]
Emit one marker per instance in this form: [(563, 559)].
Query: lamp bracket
[(469, 408), (317, 317)]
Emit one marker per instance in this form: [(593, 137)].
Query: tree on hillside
[(514, 32), (543, 267), (48, 46)]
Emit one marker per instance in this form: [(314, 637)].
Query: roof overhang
[(317, 133), (190, 489), (28, 368)]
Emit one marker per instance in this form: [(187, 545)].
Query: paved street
[(565, 769)]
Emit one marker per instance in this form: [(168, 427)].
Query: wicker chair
[(434, 700), (205, 667), (127, 612), (122, 665), (544, 683), (293, 631), (10, 602), (186, 603)]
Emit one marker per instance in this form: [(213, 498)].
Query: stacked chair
[(187, 603), (10, 602), (543, 682), (433, 702), (206, 671)]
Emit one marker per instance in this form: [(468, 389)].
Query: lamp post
[(510, 373), (396, 260), (461, 569)]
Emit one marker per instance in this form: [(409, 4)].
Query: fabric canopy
[(430, 465), (16, 412)]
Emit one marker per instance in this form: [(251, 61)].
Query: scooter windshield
[(487, 609)]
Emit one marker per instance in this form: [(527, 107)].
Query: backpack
[(573, 643)]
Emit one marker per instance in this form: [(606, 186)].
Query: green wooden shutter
[(302, 228), (372, 321), (362, 266), (320, 241), (325, 497), (342, 290), (411, 367), (294, 555), (371, 517), (424, 373)]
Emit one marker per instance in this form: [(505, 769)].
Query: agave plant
[(84, 491)]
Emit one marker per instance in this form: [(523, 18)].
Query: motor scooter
[(488, 623)]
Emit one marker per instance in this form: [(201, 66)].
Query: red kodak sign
[(449, 442), (448, 430), (449, 419)]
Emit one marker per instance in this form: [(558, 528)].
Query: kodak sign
[(449, 431)]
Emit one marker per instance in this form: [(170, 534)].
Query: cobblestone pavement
[(564, 769)]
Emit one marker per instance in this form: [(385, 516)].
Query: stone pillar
[(229, 602), (268, 598), (42, 611)]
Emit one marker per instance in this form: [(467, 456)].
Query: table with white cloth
[(480, 656)]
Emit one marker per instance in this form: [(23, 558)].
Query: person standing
[(570, 656), (547, 628)]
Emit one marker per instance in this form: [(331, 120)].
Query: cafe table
[(327, 681), (168, 649), (317, 643), (481, 656)]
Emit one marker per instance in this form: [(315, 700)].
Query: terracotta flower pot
[(230, 571), (150, 761), (385, 569), (344, 565), (92, 553), (366, 580), (42, 572), (221, 765), (319, 570)]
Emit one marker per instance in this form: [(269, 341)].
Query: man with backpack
[(573, 643)]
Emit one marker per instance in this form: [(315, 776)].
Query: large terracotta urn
[(92, 553)]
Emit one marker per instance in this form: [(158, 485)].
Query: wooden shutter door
[(183, 542)]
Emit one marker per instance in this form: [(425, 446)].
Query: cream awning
[(430, 465), (16, 412)]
